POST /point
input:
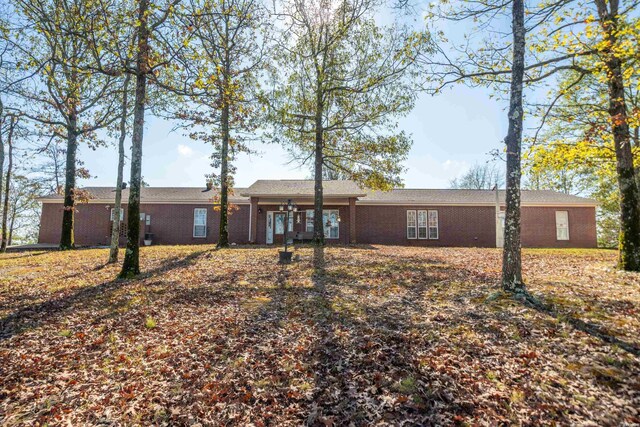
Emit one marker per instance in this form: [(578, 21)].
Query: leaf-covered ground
[(372, 335)]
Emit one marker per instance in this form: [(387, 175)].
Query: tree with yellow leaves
[(595, 37)]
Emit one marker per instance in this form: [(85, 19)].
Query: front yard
[(372, 335)]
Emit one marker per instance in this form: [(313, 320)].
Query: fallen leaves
[(374, 335)]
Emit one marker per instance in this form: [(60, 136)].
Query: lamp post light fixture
[(290, 208)]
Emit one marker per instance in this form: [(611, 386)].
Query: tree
[(575, 152), (49, 167), (223, 65), (342, 81), (132, 37), (67, 101), (598, 38), (487, 63), (7, 183), (608, 13), (511, 254), (122, 128), (480, 177), (23, 210)]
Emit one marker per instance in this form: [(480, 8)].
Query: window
[(148, 221), (433, 225), (280, 223), (411, 225), (309, 220), (199, 222), (422, 224), (562, 225), (121, 214), (331, 224), (331, 231)]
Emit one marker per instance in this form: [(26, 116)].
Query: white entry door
[(269, 228), (500, 230)]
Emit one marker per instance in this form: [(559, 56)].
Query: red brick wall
[(539, 227), (170, 224), (475, 226), (458, 225)]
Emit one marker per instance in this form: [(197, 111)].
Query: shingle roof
[(302, 188), (462, 197), (158, 194)]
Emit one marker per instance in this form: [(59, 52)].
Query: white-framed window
[(411, 225), (331, 224), (330, 217), (562, 225), (113, 211), (308, 215), (148, 220), (433, 225), (422, 224), (199, 222)]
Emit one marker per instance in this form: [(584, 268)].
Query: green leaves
[(344, 79)]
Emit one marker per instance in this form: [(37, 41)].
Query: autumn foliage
[(370, 335)]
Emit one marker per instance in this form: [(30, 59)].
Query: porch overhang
[(302, 201), (301, 190)]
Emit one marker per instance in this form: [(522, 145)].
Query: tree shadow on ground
[(363, 369), (31, 316), (591, 328), (325, 341)]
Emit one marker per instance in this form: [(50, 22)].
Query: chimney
[(124, 185), (209, 185)]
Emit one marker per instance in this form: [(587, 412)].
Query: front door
[(275, 227), (278, 227)]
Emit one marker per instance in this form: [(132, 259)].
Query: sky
[(450, 131)]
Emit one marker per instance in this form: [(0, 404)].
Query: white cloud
[(453, 165), (184, 150)]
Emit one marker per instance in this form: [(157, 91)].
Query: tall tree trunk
[(115, 225), (68, 213), (629, 253), (223, 240), (636, 139), (318, 225), (511, 256), (13, 220), (131, 263), (5, 208), (1, 150)]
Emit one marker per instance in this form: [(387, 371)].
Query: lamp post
[(290, 207)]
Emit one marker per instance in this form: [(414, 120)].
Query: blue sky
[(450, 132)]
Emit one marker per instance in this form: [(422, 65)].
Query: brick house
[(423, 217)]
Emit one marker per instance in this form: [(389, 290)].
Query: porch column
[(352, 220), (253, 220)]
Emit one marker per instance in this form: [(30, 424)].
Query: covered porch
[(268, 215)]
